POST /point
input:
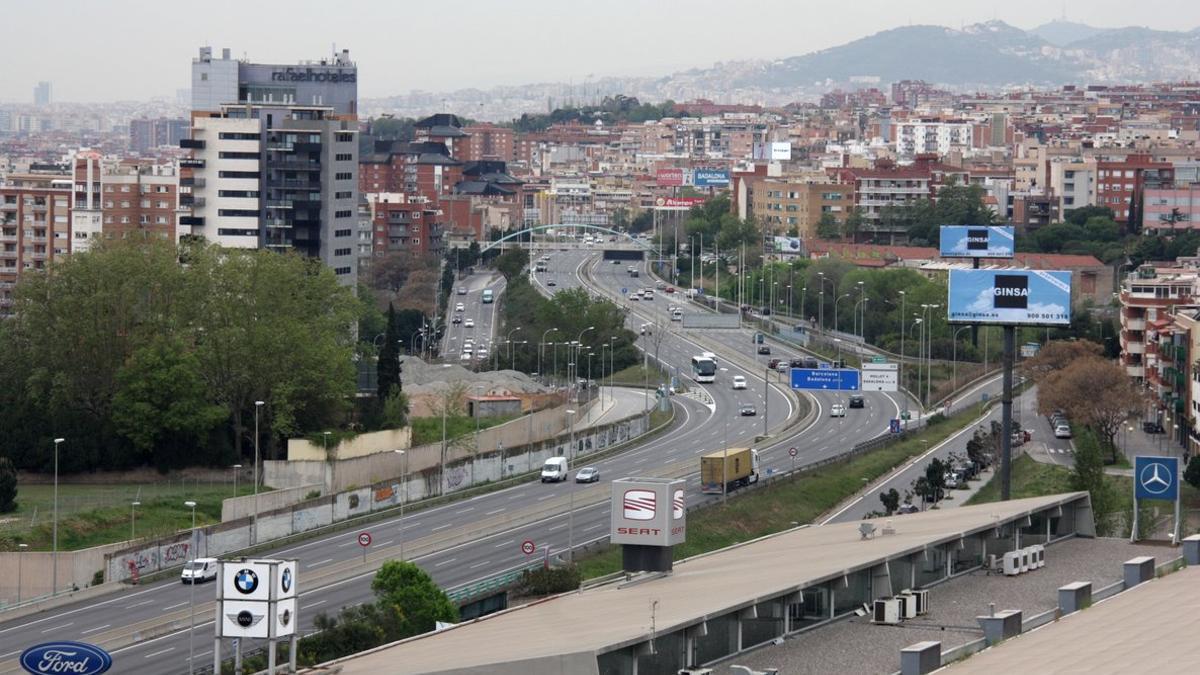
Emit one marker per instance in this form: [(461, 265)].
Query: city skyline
[(527, 42)]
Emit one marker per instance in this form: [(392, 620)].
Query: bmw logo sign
[(285, 581), (246, 581)]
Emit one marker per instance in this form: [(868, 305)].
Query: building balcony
[(279, 203), (195, 221), (278, 223), (191, 163), (293, 184), (294, 165), (191, 143), (1134, 324), (191, 181), (1135, 348), (281, 147)]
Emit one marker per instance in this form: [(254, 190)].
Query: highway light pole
[(133, 519), (920, 350), (900, 374), (571, 493), (954, 360), (254, 523), (835, 321), (540, 345), (54, 561), (404, 481), (192, 598), (928, 348)]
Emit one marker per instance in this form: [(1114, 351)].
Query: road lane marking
[(445, 562), (595, 527), (349, 543), (139, 604), (65, 625), (320, 562), (485, 562), (158, 653), (201, 654), (506, 543), (167, 609), (314, 604), (556, 527), (466, 510), (93, 630), (389, 542), (544, 497), (492, 513), (440, 527)]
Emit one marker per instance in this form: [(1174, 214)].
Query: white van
[(199, 571), (554, 470)]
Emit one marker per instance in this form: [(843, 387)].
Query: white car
[(466, 356), (460, 307), (462, 290), (739, 382), (199, 571), (482, 353), (838, 410), (1062, 431), (469, 323)]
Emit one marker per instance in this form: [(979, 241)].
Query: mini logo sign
[(285, 617), (677, 505), (245, 618), (246, 581), (639, 504), (66, 657), (285, 580)]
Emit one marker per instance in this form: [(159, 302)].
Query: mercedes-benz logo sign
[(246, 581), (285, 617), (285, 581), (1155, 479), (245, 618)]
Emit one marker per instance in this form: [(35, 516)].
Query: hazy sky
[(101, 50)]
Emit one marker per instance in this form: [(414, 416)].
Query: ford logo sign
[(77, 658)]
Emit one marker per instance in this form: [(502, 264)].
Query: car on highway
[(460, 307), (456, 319), (764, 349), (199, 571), (670, 289), (677, 315), (462, 290), (551, 283), (856, 401), (1062, 431), (660, 286), (773, 364), (748, 411), (635, 297), (647, 329), (466, 356), (616, 262), (588, 474), (783, 367), (554, 470), (481, 353), (469, 323), (837, 410), (906, 508), (739, 382)]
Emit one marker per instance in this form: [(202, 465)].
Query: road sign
[(364, 539), (1156, 477), (624, 290), (527, 547), (905, 415), (835, 379), (894, 425), (878, 359), (792, 452)]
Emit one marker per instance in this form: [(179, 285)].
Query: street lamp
[(954, 361), (821, 287), (917, 323), (928, 347), (571, 492), (20, 559), (254, 524), (404, 481), (541, 344), (54, 561), (237, 468), (133, 520), (900, 374), (835, 319), (192, 600)]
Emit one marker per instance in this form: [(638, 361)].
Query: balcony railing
[(191, 163), (191, 143)]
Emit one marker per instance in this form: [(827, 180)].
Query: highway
[(474, 539), (478, 321)]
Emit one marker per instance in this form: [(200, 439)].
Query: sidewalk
[(616, 403)]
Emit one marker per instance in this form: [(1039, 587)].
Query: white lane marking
[(440, 527), (349, 543), (485, 562), (65, 625), (556, 527), (157, 653), (445, 562), (314, 604), (544, 497), (91, 630), (595, 527), (171, 607), (139, 604), (204, 653), (466, 510), (505, 543), (492, 513), (320, 562), (389, 542)]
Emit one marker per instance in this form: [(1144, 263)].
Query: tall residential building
[(278, 177), (490, 142), (328, 83), (147, 134), (122, 200), (35, 226), (1147, 299), (783, 205), (1073, 183), (42, 94), (1120, 185), (1175, 208)]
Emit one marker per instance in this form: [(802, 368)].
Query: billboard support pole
[(1006, 401), (975, 326)]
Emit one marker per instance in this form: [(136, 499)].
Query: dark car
[(552, 283), (907, 507), (748, 411), (1152, 427), (764, 349), (796, 363), (856, 401), (773, 363), (456, 319)]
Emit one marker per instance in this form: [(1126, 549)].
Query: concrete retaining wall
[(359, 446), (241, 507), (35, 569)]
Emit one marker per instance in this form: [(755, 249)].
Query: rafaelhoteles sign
[(977, 241), (66, 656), (1010, 297), (648, 511), (313, 75)]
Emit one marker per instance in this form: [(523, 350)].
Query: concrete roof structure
[(1150, 628), (614, 616)]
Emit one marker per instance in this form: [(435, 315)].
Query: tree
[(388, 368), (854, 224), (1091, 391), (513, 263), (1192, 474), (935, 478), (162, 406), (890, 500), (1088, 476), (1057, 355), (411, 602), (8, 486), (828, 227)]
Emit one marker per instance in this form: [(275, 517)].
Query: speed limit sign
[(364, 539), (527, 547), (793, 452)]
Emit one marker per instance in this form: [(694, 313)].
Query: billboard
[(880, 377), (977, 241), (840, 379), (789, 245), (677, 203), (776, 151), (648, 511), (1156, 477), (671, 177), (1010, 297), (710, 178)]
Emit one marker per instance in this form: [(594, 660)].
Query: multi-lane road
[(477, 538), (477, 321)]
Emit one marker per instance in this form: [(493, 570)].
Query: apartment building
[(1120, 185), (920, 136), (1175, 208), (281, 177), (1073, 182), (402, 222), (785, 205), (116, 199), (148, 134), (1147, 299), (35, 227), (488, 142)]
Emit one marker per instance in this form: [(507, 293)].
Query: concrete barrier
[(270, 500), (361, 445)]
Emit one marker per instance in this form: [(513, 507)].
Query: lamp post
[(20, 559), (254, 523), (508, 339), (404, 481), (859, 326), (900, 374), (835, 320), (920, 349), (237, 468), (192, 598), (954, 363), (133, 519), (571, 492), (54, 556), (861, 296), (541, 344), (821, 309), (928, 347)]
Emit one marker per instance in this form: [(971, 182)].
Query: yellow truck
[(726, 470)]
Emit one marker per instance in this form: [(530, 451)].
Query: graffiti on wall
[(177, 552), (455, 477)]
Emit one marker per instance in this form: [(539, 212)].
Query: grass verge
[(799, 499), (429, 429)]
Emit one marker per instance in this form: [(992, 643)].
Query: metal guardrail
[(468, 592)]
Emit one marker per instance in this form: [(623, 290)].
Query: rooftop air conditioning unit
[(920, 599), (1012, 563), (908, 606), (696, 671), (1037, 556), (886, 611), (1023, 559)]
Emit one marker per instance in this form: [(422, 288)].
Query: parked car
[(552, 283), (837, 410), (1062, 431), (199, 571), (749, 411), (739, 382), (588, 474), (906, 508), (1152, 427), (764, 349)]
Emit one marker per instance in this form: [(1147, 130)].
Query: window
[(342, 195), (343, 175), (163, 189), (345, 138), (161, 220), (343, 214), (125, 220), (341, 271), (238, 213), (108, 204), (238, 155), (341, 251), (228, 232), (162, 205), (124, 204), (124, 188), (238, 174), (341, 233), (343, 157), (251, 194), (238, 136), (145, 204)]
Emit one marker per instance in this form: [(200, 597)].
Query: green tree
[(8, 486), (935, 478), (387, 370), (890, 501), (1192, 473), (513, 263), (411, 601), (1088, 476), (828, 227), (855, 222), (162, 408)]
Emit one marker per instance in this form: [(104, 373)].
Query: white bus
[(704, 369)]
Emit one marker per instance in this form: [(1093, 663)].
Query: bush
[(8, 486), (1192, 473), (98, 578), (547, 581)]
